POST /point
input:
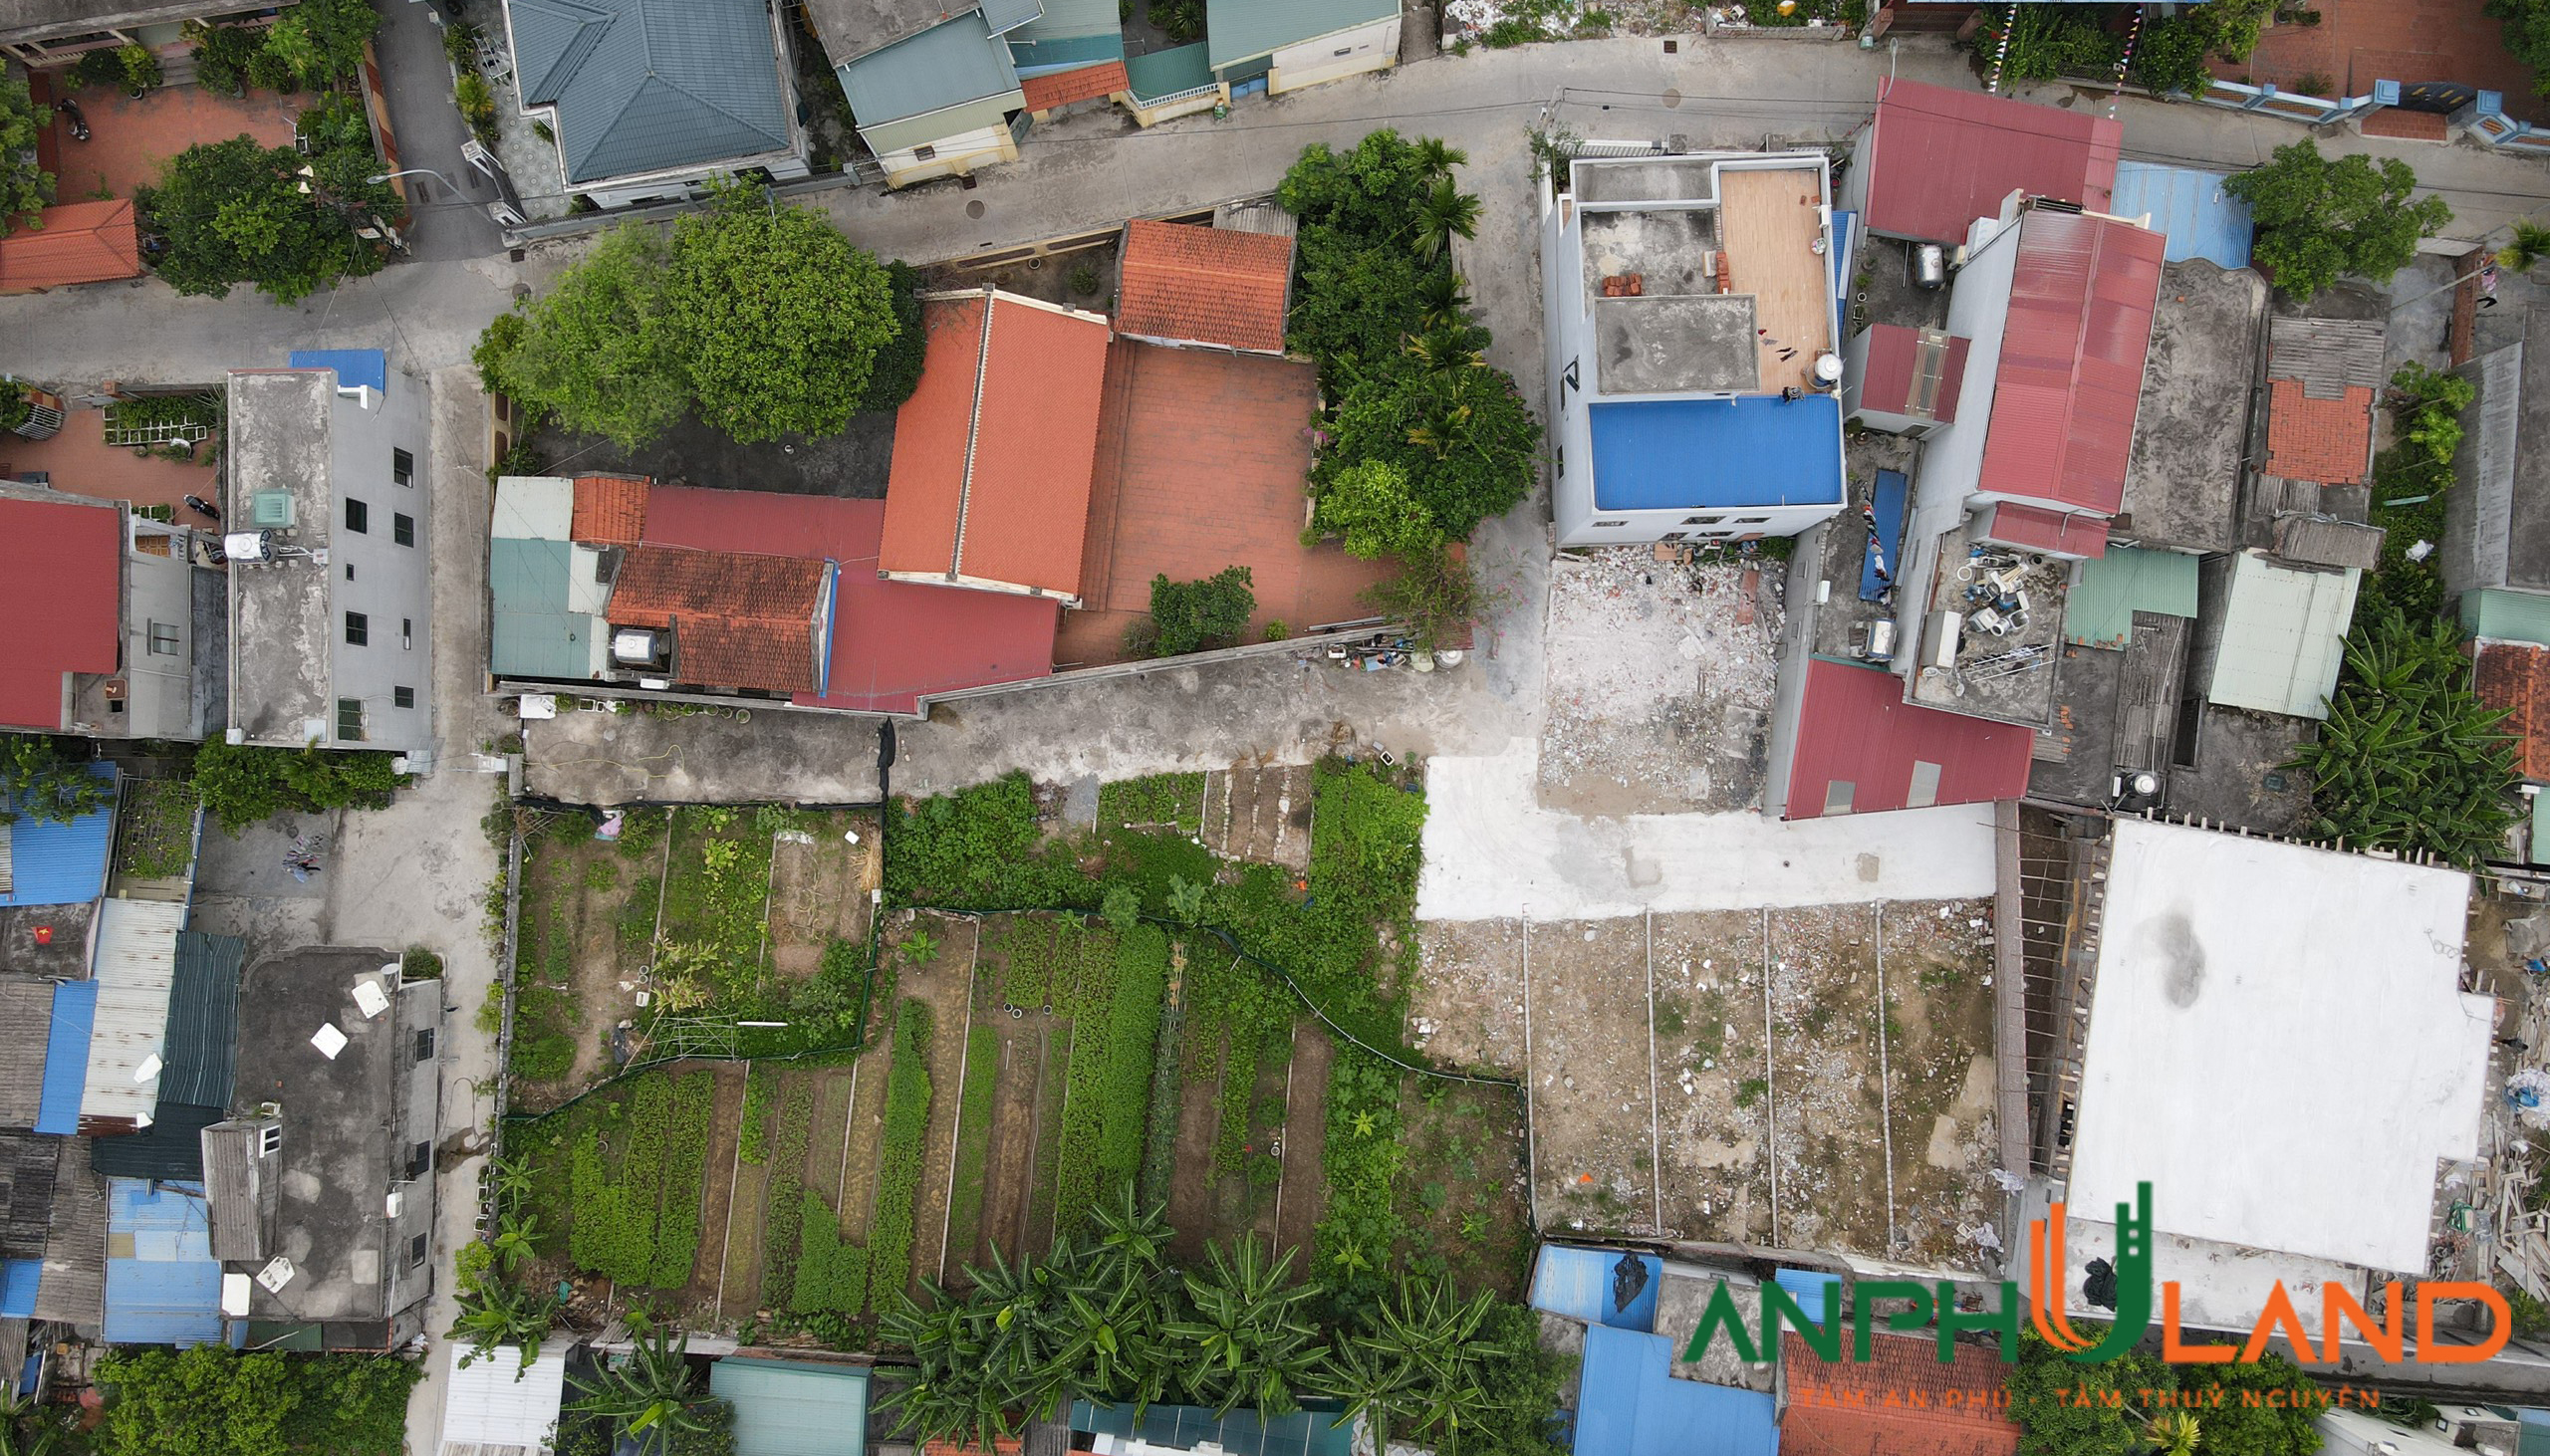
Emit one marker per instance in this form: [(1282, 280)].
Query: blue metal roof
[(167, 1290), (65, 1058), (1629, 1404), (1815, 1291), (18, 1281), (2189, 207), (61, 863), (1580, 1283), (1692, 454), (1888, 506), (352, 366)]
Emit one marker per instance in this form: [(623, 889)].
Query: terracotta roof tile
[(1901, 1401), (993, 453), (80, 242), (737, 620), (61, 595), (2514, 680), (1209, 285), (2328, 441), (1062, 87), (611, 510)]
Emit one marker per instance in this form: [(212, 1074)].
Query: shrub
[(1195, 617), (140, 67), (899, 1158), (241, 784), (832, 1276), (103, 66), (1369, 503), (38, 781), (897, 372), (224, 54), (322, 40), (1434, 595), (477, 104)]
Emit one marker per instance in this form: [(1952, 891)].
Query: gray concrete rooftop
[(281, 635), (852, 27), (1673, 180), (1655, 346), (2183, 480), (1663, 248)]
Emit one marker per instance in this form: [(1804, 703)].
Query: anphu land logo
[(1935, 1306)]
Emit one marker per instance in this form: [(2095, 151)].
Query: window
[(270, 1141), (417, 1247), (1701, 520), (164, 639), (403, 467), (424, 1045), (358, 515), (1752, 520), (357, 629), (1837, 797), (402, 528), (349, 571), (924, 154), (402, 697), (1342, 51), (1607, 524), (406, 632), (350, 719), (421, 1159), (1562, 459)]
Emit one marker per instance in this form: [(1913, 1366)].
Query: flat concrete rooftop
[(281, 638)]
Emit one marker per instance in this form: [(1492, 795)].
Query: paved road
[(443, 223)]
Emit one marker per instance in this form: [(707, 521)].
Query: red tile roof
[(2514, 680), (1939, 158), (61, 594), (611, 510), (1209, 285), (2034, 528), (893, 641), (2081, 297), (1062, 88), (1886, 378), (79, 242), (1901, 1401), (737, 620), (989, 485), (1854, 727), (2325, 441)]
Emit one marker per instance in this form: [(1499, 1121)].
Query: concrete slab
[(2183, 476)]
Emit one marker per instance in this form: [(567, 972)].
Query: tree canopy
[(240, 784), (234, 211), (322, 40), (2527, 33), (2047, 1399), (24, 186), (38, 783), (208, 1400), (599, 351), (2320, 218)]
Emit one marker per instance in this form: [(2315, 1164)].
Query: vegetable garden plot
[(581, 951)]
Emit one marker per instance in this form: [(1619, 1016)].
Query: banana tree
[(647, 1393), (1248, 1339), (498, 1312)]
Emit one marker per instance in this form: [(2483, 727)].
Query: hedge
[(890, 1230), (1141, 978)]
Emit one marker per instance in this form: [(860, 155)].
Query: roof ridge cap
[(973, 433)]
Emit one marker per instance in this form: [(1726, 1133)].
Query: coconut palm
[(1445, 211), (2531, 244), (647, 1393), (1248, 1339)]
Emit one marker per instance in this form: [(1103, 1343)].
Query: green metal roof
[(944, 65), (1244, 30), (1068, 19), (1318, 1430), (794, 1408), (2507, 615), (644, 86), (2099, 611), (1166, 72), (203, 1019), (2283, 638), (1066, 52), (912, 132), (2540, 856), (531, 631)]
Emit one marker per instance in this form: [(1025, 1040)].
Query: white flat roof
[(2278, 1044), (485, 1405)]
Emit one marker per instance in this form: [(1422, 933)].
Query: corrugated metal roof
[(1004, 16), (2034, 528), (944, 65), (1629, 1404), (18, 1281), (532, 508), (1166, 72), (75, 1249), (1583, 1284), (65, 1057), (1940, 158), (1315, 1431), (2325, 541), (1244, 30), (494, 1401), (135, 970), (162, 1285), (2328, 355), (29, 1162), (2189, 207), (1815, 1291), (531, 631), (203, 1019), (794, 1408), (1890, 377), (2283, 638), (2082, 298), (2506, 615), (2108, 590), (61, 863), (935, 126), (1030, 57), (354, 366), (642, 85), (26, 1025), (2540, 836), (1861, 748), (170, 1149), (1719, 454), (235, 1190)]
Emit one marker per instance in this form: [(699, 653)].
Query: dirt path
[(862, 1136), (1261, 812), (1303, 1195), (740, 1292), (1009, 1167), (724, 1134), (946, 983), (824, 1155), (1047, 1138), (1192, 1192)]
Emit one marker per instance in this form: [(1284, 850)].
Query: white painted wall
[(956, 154), (1373, 47), (393, 584)]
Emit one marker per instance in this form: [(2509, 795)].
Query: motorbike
[(203, 507), (68, 111)]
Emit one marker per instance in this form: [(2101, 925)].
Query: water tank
[(630, 645), (1930, 266), (248, 545), (1827, 369)]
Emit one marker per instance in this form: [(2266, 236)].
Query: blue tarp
[(1579, 1284), (1888, 507), (352, 366), (1814, 1290), (167, 1290), (60, 864), (1629, 1404), (18, 1281), (2188, 208), (1717, 454), (65, 1058)]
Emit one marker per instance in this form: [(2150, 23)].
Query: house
[(2168, 1020), (2496, 531), (198, 1051), (723, 619), (1632, 1317), (107, 601), (2272, 637), (650, 99), (1902, 1399), (162, 1285), (1276, 46), (1212, 286), (2513, 678), (2323, 377), (1691, 314), (990, 482), (331, 584), (1935, 159), (320, 1184), (1073, 53), (932, 85), (1861, 748), (55, 32), (77, 242)]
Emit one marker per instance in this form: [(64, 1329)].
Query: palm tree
[(1248, 1339), (1436, 157), (1440, 298), (498, 1312), (2531, 244), (647, 1392), (1445, 211), (1445, 348)]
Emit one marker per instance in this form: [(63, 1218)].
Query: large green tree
[(38, 783), (234, 211), (599, 350), (2527, 32), (322, 40), (2409, 759), (2320, 218), (208, 1400), (24, 186), (779, 318)]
